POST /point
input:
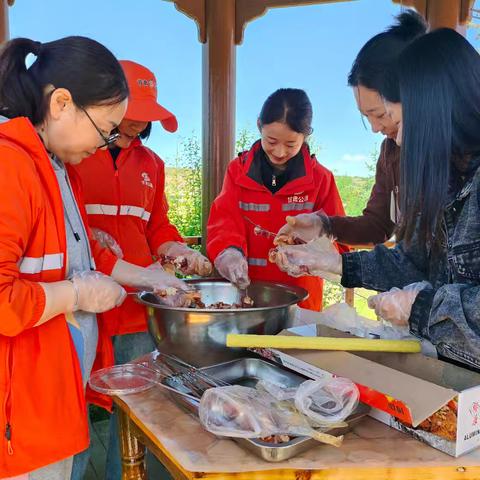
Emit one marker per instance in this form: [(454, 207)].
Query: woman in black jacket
[(433, 273)]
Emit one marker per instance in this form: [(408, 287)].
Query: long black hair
[(382, 50), (437, 81), (290, 106), (81, 65)]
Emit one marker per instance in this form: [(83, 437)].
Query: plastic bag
[(237, 411), (345, 318), (328, 400), (279, 392), (244, 412)]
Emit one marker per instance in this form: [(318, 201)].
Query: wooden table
[(372, 451)]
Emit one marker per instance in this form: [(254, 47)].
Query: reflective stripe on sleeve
[(32, 265), (100, 209)]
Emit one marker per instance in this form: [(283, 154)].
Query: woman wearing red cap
[(127, 210)]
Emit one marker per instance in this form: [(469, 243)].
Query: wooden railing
[(191, 241)]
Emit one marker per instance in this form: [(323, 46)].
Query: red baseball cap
[(142, 102)]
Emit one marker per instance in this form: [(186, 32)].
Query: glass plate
[(123, 379)]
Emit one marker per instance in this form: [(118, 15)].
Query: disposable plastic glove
[(171, 290), (306, 227), (95, 292), (187, 260), (395, 306), (107, 241), (318, 257), (232, 265)]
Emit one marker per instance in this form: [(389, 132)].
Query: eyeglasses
[(112, 138)]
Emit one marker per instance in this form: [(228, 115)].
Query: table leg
[(131, 450)]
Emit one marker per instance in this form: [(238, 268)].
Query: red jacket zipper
[(8, 405), (118, 196)]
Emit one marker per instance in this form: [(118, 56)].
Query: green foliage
[(355, 192), (371, 163), (332, 293), (245, 139), (183, 187)]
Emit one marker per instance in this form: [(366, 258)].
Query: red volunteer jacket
[(244, 201), (126, 198), (42, 407)]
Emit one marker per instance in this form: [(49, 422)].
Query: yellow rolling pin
[(322, 343)]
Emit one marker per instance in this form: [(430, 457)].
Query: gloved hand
[(232, 265), (395, 305), (154, 277), (95, 292), (306, 227), (187, 260), (318, 257), (170, 290), (107, 241)]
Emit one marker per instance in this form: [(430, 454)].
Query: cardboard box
[(434, 401)]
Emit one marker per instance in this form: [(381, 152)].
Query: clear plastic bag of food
[(279, 392), (327, 401), (237, 411)]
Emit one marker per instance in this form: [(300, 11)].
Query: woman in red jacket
[(276, 178), (124, 191), (58, 111)]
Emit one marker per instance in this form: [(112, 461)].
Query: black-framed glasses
[(112, 138)]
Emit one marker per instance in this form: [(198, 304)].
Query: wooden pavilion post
[(219, 81), (4, 30)]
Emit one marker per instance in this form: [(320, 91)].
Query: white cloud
[(354, 157)]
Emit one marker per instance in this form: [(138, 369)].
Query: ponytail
[(20, 94), (84, 67)]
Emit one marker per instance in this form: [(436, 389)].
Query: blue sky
[(309, 47)]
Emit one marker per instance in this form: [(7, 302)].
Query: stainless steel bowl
[(198, 335)]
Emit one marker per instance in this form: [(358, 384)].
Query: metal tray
[(247, 372)]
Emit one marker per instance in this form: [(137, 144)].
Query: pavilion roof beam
[(443, 13), (245, 12), (248, 10), (196, 10)]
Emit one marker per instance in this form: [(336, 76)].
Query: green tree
[(183, 187), (371, 163), (245, 139)]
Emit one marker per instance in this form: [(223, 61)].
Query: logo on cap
[(141, 82)]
